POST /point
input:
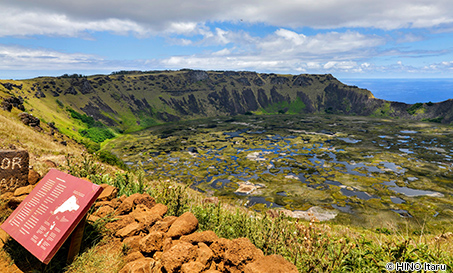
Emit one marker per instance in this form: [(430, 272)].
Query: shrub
[(83, 166), (97, 134), (174, 196), (110, 158)]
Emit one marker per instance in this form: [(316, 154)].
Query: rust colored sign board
[(46, 218), (13, 170)]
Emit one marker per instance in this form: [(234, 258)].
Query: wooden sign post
[(50, 213)]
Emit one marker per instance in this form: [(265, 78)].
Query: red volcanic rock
[(185, 224)]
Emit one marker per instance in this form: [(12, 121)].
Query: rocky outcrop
[(9, 103), (10, 86), (159, 243), (30, 120)]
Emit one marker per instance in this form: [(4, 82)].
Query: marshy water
[(351, 167)]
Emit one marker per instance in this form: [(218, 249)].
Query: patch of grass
[(13, 132), (383, 111), (294, 107), (127, 183), (97, 134), (110, 158), (84, 165), (413, 108), (436, 120), (316, 247), (173, 195), (99, 259), (95, 131)]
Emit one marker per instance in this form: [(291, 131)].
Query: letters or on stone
[(13, 170)]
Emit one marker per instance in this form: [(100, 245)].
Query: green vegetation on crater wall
[(295, 107), (95, 131), (383, 111), (414, 108)]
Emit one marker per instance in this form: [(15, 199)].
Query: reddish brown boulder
[(185, 224), (129, 230), (50, 163), (159, 209), (127, 204), (205, 255), (157, 255), (207, 237), (16, 200), (144, 265), (133, 256), (160, 226), (92, 218), (167, 244), (122, 198), (219, 247), (241, 252), (152, 242), (132, 243), (146, 200), (124, 208), (143, 215), (33, 177), (177, 255), (99, 204), (23, 190), (271, 264), (122, 222), (108, 192), (170, 219), (115, 203), (104, 211), (192, 267)]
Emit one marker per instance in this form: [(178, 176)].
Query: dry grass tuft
[(101, 258)]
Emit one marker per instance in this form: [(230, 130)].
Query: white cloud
[(13, 57), (143, 17), (17, 22), (223, 52), (318, 46)]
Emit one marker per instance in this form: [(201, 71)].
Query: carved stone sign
[(13, 170), (46, 218)]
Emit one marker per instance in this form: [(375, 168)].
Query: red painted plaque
[(46, 218)]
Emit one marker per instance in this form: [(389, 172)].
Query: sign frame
[(50, 213)]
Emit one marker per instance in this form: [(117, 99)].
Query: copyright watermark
[(405, 266)]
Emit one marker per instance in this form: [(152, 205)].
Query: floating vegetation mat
[(358, 169)]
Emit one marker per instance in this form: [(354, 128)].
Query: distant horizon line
[(341, 78)]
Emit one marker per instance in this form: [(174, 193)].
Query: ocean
[(406, 90)]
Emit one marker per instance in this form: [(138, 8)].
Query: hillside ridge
[(132, 100)]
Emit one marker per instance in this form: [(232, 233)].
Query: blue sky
[(347, 38)]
